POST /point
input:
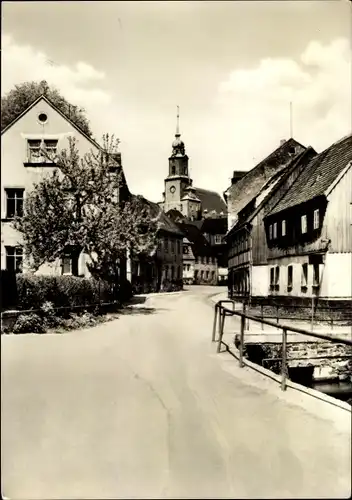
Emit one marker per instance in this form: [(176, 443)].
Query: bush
[(29, 323), (61, 291)]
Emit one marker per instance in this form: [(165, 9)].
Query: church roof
[(211, 201)]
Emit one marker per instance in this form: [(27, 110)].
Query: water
[(341, 390)]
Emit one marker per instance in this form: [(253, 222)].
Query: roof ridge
[(45, 98)]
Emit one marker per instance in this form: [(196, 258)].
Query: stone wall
[(300, 355)]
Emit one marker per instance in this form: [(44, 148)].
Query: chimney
[(282, 142), (237, 175)]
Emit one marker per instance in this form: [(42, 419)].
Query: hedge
[(62, 291)]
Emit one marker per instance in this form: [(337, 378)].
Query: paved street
[(142, 407)]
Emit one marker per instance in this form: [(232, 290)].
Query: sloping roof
[(211, 201), (200, 245), (165, 223), (175, 215), (212, 225), (318, 175), (44, 98), (268, 190), (251, 184)]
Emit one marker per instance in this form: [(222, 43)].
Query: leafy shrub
[(62, 291), (29, 323)]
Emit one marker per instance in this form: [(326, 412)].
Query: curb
[(158, 294)]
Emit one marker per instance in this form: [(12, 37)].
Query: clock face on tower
[(172, 189)]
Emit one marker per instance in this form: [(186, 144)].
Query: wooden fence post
[(284, 359)]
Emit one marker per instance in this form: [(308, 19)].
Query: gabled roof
[(318, 175), (200, 245), (252, 183), (44, 98), (175, 215), (211, 201), (247, 214), (165, 223), (212, 225)]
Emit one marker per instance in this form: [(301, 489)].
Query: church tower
[(178, 179)]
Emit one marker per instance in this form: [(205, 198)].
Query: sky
[(232, 67)]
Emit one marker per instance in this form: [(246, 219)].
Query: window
[(66, 264), (69, 263), (316, 277), (34, 154), (196, 274), (172, 246), (289, 278), (166, 245), (218, 239), (304, 276), (172, 272), (316, 221), (272, 278), (185, 250), (173, 170), (283, 228), (303, 224), (270, 232), (201, 275), (43, 117), (277, 278), (275, 230), (206, 274), (14, 202), (35, 150), (14, 259)]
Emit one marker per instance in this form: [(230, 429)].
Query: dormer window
[(303, 224), (218, 239), (275, 231), (283, 228), (270, 232), (316, 219)]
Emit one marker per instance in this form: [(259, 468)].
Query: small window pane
[(316, 220), (283, 228), (304, 224)]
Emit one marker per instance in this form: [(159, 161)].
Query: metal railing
[(313, 312), (221, 312)]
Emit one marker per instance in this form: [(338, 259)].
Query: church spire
[(178, 146), (178, 122)]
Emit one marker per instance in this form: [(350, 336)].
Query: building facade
[(309, 230), (165, 263), (40, 126)]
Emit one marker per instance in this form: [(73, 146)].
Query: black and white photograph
[(176, 249)]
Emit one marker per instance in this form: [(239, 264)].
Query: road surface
[(143, 407)]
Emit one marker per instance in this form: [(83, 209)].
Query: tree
[(78, 208), (23, 95)]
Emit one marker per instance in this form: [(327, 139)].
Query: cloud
[(256, 101), (79, 83)]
